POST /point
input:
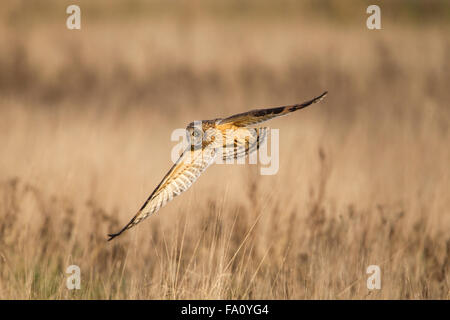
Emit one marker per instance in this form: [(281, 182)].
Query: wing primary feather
[(132, 221), (253, 117), (179, 178), (307, 103)]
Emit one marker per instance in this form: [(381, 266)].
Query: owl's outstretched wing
[(180, 177), (260, 115)]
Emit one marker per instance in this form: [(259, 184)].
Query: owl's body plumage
[(230, 138)]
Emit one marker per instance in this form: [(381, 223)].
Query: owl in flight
[(224, 138)]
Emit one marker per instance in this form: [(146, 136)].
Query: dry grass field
[(85, 124)]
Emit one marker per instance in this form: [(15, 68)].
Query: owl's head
[(194, 133)]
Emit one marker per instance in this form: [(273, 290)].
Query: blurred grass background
[(85, 124)]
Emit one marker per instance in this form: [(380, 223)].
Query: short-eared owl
[(207, 138)]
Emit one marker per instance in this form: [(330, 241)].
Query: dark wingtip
[(128, 226), (318, 98), (113, 235), (308, 103)]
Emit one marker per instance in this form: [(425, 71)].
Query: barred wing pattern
[(243, 142), (180, 177), (260, 115)]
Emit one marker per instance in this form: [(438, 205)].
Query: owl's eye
[(196, 133)]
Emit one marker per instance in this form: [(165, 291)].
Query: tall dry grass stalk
[(84, 131)]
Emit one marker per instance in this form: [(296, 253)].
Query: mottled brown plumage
[(229, 138)]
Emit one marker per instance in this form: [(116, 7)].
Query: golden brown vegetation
[(85, 124)]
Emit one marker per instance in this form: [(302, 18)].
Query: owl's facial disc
[(194, 136)]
